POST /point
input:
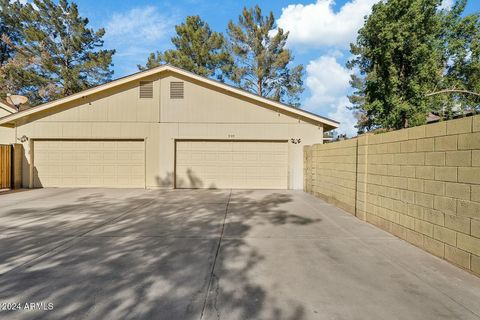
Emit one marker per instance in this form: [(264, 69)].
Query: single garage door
[(92, 163), (232, 164)]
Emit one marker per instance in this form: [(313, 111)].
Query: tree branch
[(452, 91)]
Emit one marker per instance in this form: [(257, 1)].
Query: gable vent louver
[(146, 89), (176, 90)]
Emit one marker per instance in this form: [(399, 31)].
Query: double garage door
[(89, 163), (231, 164), (198, 164)]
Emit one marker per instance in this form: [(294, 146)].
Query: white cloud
[(345, 116), (135, 33), (328, 84), (327, 80), (317, 24), (139, 24), (447, 4)]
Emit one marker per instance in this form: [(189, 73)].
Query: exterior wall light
[(23, 138)]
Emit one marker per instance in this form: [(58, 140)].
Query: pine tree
[(9, 28), (261, 59), (62, 55), (10, 35), (197, 49)]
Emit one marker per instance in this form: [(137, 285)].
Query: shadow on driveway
[(148, 255)]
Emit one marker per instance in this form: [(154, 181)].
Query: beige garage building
[(165, 128), (7, 135)]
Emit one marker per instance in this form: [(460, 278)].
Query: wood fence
[(5, 166)]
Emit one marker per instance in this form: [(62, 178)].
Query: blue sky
[(320, 33)]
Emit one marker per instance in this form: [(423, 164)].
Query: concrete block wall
[(330, 172), (307, 168), (421, 184)]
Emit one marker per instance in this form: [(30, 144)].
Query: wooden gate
[(5, 166)]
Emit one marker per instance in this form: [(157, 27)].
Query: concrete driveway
[(213, 254)]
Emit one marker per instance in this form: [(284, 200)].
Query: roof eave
[(328, 124), (8, 107)]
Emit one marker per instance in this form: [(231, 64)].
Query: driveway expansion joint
[(212, 273), (166, 254)]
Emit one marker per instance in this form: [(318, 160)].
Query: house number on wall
[(231, 136)]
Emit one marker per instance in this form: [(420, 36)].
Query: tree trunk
[(405, 122)]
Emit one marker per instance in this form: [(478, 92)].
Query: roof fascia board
[(241, 92), (7, 107), (81, 94), (157, 70)]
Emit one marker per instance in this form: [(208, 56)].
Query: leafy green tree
[(61, 55), (399, 56), (459, 85), (261, 60), (414, 58), (197, 49)]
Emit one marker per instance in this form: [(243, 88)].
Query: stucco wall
[(204, 113), (421, 184), (7, 135)]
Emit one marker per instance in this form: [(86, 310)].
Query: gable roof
[(328, 124)]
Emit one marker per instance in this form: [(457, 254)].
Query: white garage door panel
[(242, 165), (89, 164)]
